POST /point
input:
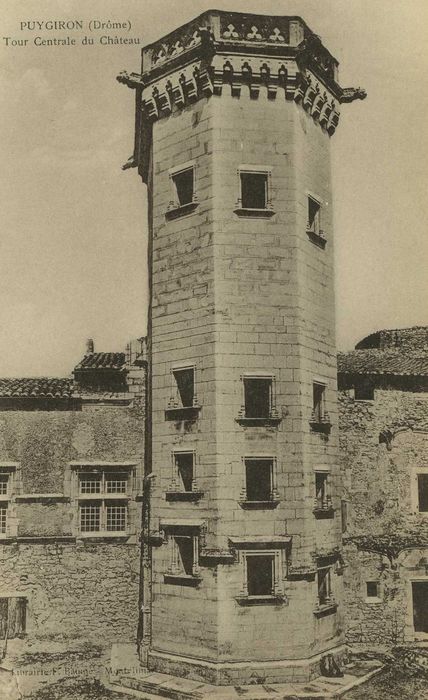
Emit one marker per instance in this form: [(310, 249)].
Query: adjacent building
[(71, 456), (242, 545), (383, 410)]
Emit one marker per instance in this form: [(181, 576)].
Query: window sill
[(178, 211), (317, 238), (373, 601), (104, 497), (182, 413), (183, 495), (323, 513), (323, 426), (263, 422), (254, 213), (182, 580), (259, 505), (107, 536), (261, 600), (326, 609)]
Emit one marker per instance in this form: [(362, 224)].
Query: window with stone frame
[(372, 590), (324, 586), (184, 463), (183, 183), (318, 402), (422, 492), (6, 491), (258, 397), (322, 490), (13, 617), (259, 480), (184, 378), (314, 216), (263, 575), (103, 496), (254, 190), (184, 556)]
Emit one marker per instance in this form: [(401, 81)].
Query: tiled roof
[(37, 387), (102, 360), (390, 362)]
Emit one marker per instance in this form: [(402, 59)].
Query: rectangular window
[(258, 479), (183, 183), (260, 575), (185, 554), (254, 190), (314, 215), (185, 381), (344, 513), (3, 519), (184, 463), (258, 397), (5, 487), (423, 493), (322, 495), (90, 517), (116, 518), (103, 501), (4, 482), (318, 408), (372, 589), (116, 483), (324, 586), (13, 613), (90, 483)]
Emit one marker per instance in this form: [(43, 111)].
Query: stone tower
[(242, 533)]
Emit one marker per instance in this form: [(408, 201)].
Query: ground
[(405, 677), (77, 690)]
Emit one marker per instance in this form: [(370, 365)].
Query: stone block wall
[(78, 590), (384, 443)]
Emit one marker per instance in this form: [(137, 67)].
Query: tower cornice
[(268, 56)]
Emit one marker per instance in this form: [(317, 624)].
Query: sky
[(74, 225)]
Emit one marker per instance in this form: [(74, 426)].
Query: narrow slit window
[(258, 478), (185, 381), (318, 408), (185, 549), (322, 498), (254, 190), (184, 462), (423, 493), (324, 586), (260, 575), (258, 397), (314, 216), (183, 183)]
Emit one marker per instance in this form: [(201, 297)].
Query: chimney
[(89, 346)]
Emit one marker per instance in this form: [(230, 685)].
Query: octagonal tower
[(242, 530)]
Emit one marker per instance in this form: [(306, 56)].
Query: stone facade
[(234, 115), (383, 409), (69, 575)]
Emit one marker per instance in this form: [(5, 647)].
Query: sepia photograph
[(214, 350)]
